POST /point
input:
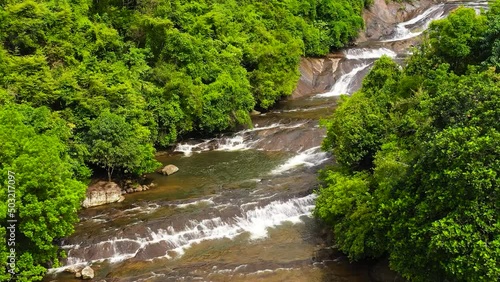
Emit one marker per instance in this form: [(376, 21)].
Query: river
[(240, 207)]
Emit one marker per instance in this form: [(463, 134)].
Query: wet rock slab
[(102, 193)]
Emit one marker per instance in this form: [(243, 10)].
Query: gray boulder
[(87, 273), (73, 269), (101, 193), (169, 169)]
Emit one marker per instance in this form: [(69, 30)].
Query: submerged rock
[(134, 187), (255, 113), (169, 169), (101, 193), (87, 273), (73, 269)]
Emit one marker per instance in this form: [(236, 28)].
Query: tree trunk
[(110, 172)]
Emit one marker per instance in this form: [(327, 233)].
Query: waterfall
[(342, 86)]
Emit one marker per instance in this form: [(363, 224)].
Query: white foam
[(258, 272), (142, 209), (256, 128), (273, 126), (343, 84), (403, 31), (194, 203), (255, 221), (268, 197), (189, 149), (223, 206), (235, 143), (134, 209), (310, 157), (243, 206), (240, 141), (477, 6), (368, 53)]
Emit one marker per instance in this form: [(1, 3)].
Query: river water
[(240, 207)]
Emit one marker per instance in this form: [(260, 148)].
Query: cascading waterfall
[(367, 53), (342, 86), (417, 25), (255, 221), (237, 142), (310, 157), (362, 58)]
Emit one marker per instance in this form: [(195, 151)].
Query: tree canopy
[(34, 146), (418, 157), (98, 85)]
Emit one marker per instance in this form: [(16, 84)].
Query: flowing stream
[(240, 207)]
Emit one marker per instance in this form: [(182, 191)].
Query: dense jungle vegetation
[(418, 153), (98, 85)]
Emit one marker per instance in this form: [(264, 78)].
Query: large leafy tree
[(33, 145), (457, 38), (115, 144)]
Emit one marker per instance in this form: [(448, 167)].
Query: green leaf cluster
[(35, 146), (418, 157)]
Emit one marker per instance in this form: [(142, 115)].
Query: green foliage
[(453, 209), (457, 38), (429, 195), (173, 67), (354, 132), (491, 42), (356, 127), (347, 204), (33, 145), (103, 82), (113, 143)]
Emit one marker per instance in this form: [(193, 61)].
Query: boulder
[(101, 193), (87, 273), (78, 274), (73, 269), (139, 188), (130, 190), (169, 169), (318, 75), (255, 113)]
